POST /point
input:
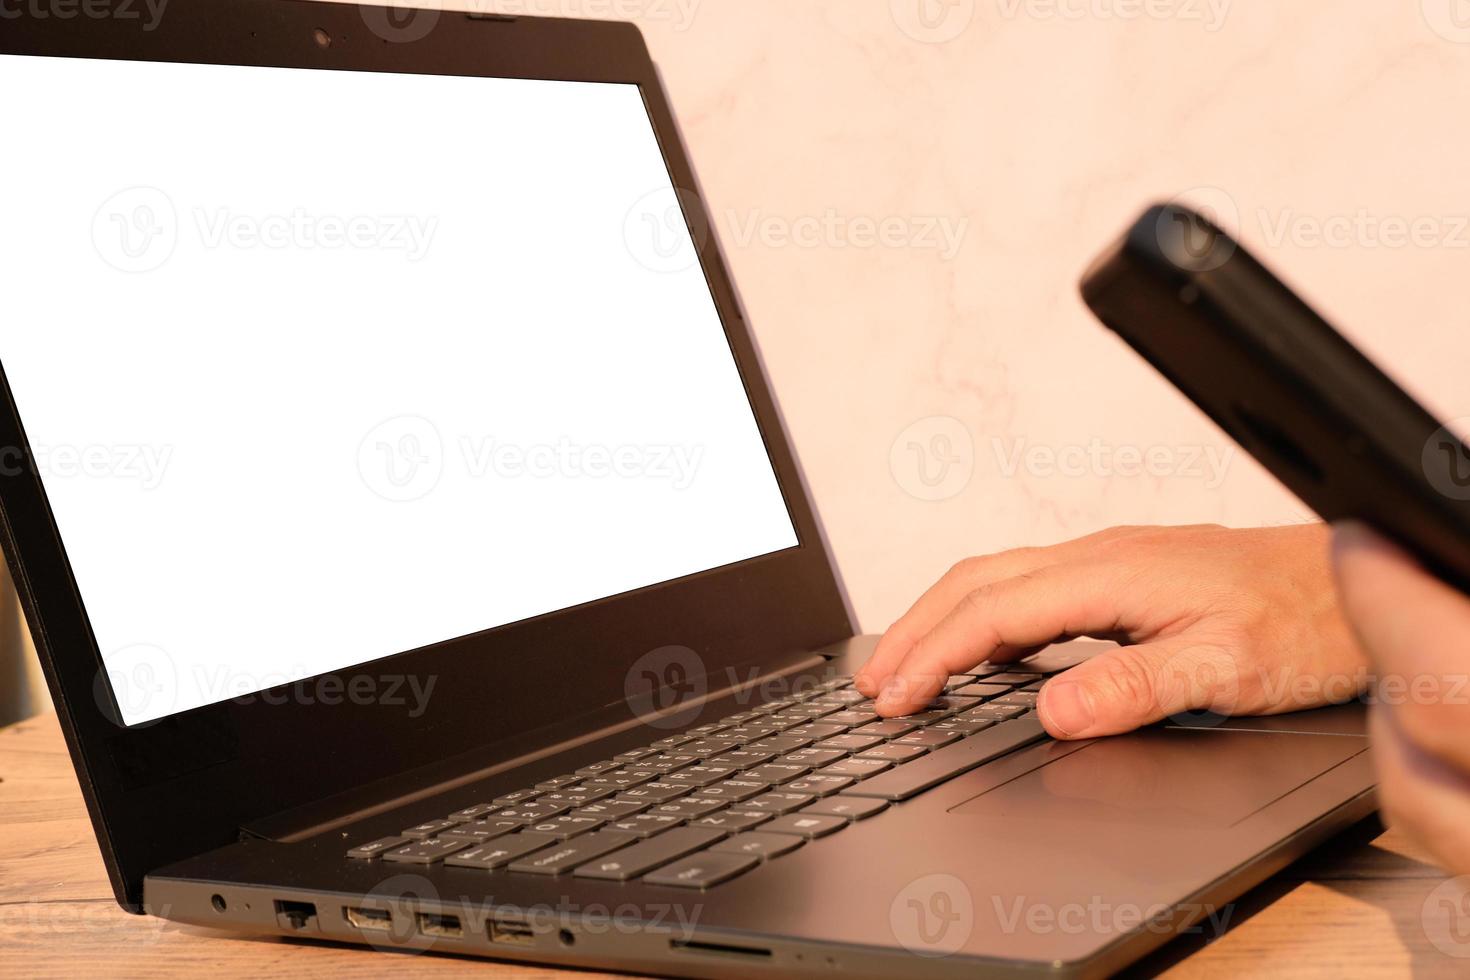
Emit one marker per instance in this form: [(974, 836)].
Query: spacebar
[(926, 772)]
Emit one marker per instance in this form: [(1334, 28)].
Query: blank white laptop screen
[(321, 367)]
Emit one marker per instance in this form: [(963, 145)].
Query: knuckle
[(1129, 685)]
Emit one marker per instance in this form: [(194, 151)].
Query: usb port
[(375, 920), (446, 926), (511, 932)]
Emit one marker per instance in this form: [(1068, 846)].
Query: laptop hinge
[(348, 808)]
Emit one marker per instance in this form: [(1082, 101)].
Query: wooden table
[(1356, 908)]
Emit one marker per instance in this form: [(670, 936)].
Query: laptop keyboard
[(700, 808)]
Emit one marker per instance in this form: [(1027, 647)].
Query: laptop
[(418, 558)]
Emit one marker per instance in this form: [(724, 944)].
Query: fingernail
[(1067, 706), (892, 691), (863, 683)]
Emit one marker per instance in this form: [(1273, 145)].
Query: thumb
[(1135, 686)]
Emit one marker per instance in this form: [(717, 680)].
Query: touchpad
[(1168, 777)]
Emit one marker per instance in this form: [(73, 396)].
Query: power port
[(296, 916)]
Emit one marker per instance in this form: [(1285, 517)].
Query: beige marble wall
[(1332, 135)]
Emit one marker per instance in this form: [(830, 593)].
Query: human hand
[(1416, 633), (1233, 621)]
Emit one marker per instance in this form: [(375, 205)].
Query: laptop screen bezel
[(167, 791)]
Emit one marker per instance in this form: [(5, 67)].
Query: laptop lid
[(374, 395)]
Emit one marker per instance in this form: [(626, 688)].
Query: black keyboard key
[(891, 728), (814, 758), (847, 807), (994, 712), (734, 790), (702, 870), (946, 763), (858, 767), (374, 849), (710, 746), (564, 857), (689, 807), (763, 846), (1010, 678), (430, 829), (984, 691), (635, 755), (477, 811), (850, 743), (531, 812), (816, 732), (555, 782), (479, 831), (645, 824), (851, 718), (499, 853), (731, 820), (520, 795), (893, 752), (430, 851), (808, 825), (778, 803), (700, 775), (781, 744), (651, 793), (819, 784), (959, 726), (929, 738), (1026, 699), (776, 773), (612, 809), (743, 759), (647, 855), (620, 780), (575, 796), (567, 826)]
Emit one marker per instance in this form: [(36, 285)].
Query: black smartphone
[(1285, 385)]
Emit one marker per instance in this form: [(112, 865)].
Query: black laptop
[(418, 558)]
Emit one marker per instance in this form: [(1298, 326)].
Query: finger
[(1128, 688), (1414, 629), (932, 606), (1072, 599), (1421, 796), (958, 582)]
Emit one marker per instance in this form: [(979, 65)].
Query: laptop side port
[(295, 915), (718, 949), (368, 920), (439, 926), (511, 932)]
